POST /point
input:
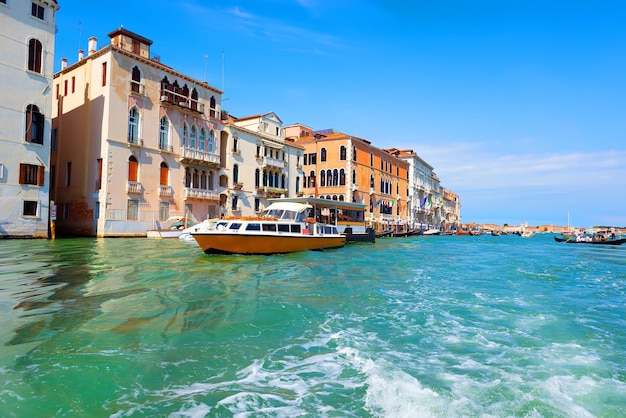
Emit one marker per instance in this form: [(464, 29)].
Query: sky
[(518, 105)]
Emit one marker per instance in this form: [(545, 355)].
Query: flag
[(423, 202), (393, 202), (430, 201), (378, 202)]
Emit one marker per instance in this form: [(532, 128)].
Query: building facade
[(27, 29), (137, 141), (342, 167), (259, 165)]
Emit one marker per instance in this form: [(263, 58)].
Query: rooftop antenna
[(206, 62)]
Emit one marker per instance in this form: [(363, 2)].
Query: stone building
[(27, 29)]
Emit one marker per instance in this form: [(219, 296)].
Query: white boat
[(174, 227), (283, 227)]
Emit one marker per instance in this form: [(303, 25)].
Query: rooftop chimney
[(93, 45), (81, 54), (63, 63)]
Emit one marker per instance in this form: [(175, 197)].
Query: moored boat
[(283, 227)]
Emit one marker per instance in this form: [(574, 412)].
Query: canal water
[(406, 327)]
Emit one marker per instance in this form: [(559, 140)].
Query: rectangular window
[(73, 84), (68, 174), (37, 10), (96, 210), (53, 140), (65, 88), (164, 210), (32, 174), (104, 74), (30, 208), (99, 174), (132, 210), (57, 91)]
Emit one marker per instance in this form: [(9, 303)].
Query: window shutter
[(22, 174), (41, 175)]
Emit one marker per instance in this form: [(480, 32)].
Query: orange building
[(342, 167)]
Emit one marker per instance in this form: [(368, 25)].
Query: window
[(32, 174), (235, 203), (135, 79), (30, 208), (37, 10), (211, 147), (99, 174), (34, 125), (164, 210), (68, 174), (202, 139), (257, 178), (342, 177), (132, 210), (164, 133), (235, 173), (104, 74), (342, 153), (371, 159), (312, 159), (133, 126), (164, 175), (185, 134), (192, 138), (323, 155), (322, 178), (73, 84), (133, 168)]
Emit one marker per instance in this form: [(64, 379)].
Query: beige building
[(137, 141), (259, 164), (27, 32), (451, 208)]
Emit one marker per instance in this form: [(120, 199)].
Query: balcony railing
[(273, 162), (192, 154), (177, 99), (134, 141), (166, 191), (133, 187), (137, 88), (193, 193)]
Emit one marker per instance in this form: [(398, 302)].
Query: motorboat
[(282, 227)]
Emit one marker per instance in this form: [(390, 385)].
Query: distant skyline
[(518, 105)]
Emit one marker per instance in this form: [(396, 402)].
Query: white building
[(27, 33), (260, 164)]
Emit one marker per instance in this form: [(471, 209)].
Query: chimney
[(81, 54), (63, 63), (93, 45)]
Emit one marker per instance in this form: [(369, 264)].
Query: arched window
[(323, 155), (329, 178), (353, 176), (164, 134), (342, 177), (264, 178), (311, 179), (353, 153), (212, 106), (297, 185), (194, 99), (211, 146), (322, 178), (135, 79), (34, 125), (35, 55), (133, 168), (203, 178), (335, 177), (133, 126), (195, 181), (341, 198), (192, 137), (164, 179), (257, 178), (211, 180), (187, 177), (342, 153), (202, 139), (185, 135), (283, 181)]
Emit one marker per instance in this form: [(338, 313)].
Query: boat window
[(289, 215), (327, 229), (283, 227), (269, 227), (296, 228), (253, 227), (234, 225)]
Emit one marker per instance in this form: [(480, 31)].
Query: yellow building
[(136, 141), (342, 167)]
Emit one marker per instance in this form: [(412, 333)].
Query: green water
[(418, 326)]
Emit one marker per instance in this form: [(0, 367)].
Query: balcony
[(201, 194), (273, 162), (176, 99), (133, 187), (137, 88), (135, 142), (190, 155), (166, 191)]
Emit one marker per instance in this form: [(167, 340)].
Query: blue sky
[(519, 105)]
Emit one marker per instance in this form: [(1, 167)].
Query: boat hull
[(228, 243)]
